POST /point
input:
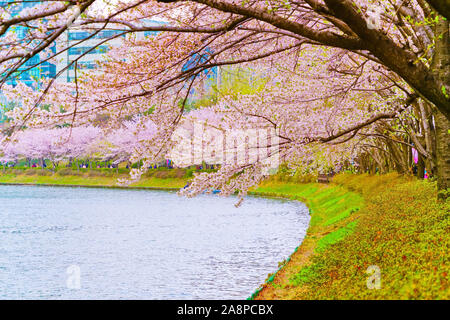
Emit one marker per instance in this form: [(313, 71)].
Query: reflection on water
[(138, 244)]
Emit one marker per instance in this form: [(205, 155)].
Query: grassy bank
[(358, 221), (163, 179)]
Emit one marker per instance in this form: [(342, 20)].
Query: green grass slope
[(360, 222)]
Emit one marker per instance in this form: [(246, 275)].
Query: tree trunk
[(425, 112), (397, 157), (420, 167), (442, 154), (55, 166), (441, 68)]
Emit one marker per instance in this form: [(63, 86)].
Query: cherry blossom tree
[(120, 143), (54, 144), (395, 51)]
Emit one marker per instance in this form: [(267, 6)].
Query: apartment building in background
[(86, 52), (33, 69), (89, 47)]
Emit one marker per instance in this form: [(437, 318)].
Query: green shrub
[(161, 174), (179, 173), (95, 173), (189, 173), (70, 172), (44, 173), (30, 172), (65, 172)]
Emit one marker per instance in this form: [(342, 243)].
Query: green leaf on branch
[(444, 91)]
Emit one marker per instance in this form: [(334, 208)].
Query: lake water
[(83, 243)]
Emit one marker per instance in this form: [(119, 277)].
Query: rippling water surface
[(131, 244)]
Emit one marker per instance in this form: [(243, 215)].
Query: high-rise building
[(33, 69), (91, 49), (210, 75), (87, 53), (86, 46)]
